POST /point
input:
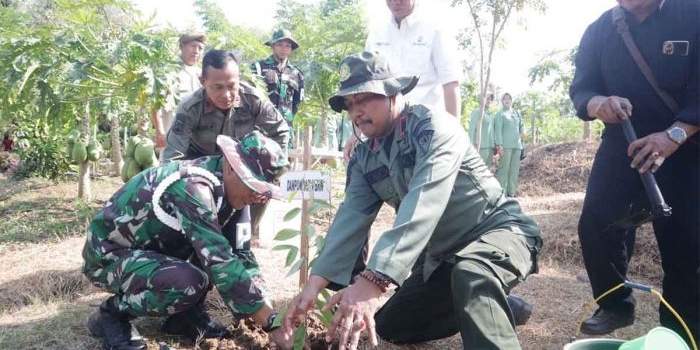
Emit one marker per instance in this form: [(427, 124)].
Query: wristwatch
[(677, 134), (271, 325)]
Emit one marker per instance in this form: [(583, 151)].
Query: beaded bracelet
[(380, 280)]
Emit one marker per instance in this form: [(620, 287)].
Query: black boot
[(194, 323), (521, 309), (114, 328)]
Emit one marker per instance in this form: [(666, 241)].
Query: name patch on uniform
[(424, 139), (377, 175), (675, 47), (179, 125)]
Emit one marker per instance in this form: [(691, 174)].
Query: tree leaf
[(291, 256), (292, 214), (286, 234)]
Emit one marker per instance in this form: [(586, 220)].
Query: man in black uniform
[(609, 86)]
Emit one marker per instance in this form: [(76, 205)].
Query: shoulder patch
[(180, 123), (424, 139)]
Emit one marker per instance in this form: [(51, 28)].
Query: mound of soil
[(557, 168)]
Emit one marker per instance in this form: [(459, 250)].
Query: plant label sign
[(306, 185)]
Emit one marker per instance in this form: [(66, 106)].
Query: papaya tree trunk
[(117, 160), (84, 191)]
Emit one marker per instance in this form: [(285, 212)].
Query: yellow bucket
[(595, 344)]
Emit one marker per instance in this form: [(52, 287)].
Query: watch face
[(677, 134)]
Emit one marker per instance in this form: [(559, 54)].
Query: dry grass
[(44, 300)]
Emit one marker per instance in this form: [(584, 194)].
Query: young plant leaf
[(286, 234), (291, 256), (300, 337), (292, 214)]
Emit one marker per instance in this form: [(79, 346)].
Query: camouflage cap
[(282, 34), (190, 37), (257, 160), (368, 72)]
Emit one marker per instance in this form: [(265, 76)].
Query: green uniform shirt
[(507, 128), (128, 222), (487, 139), (198, 122), (444, 196), (285, 86)]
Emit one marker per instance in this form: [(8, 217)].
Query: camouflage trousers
[(150, 283)]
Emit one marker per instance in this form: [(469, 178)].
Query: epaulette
[(193, 99)]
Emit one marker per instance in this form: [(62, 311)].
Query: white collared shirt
[(420, 47)]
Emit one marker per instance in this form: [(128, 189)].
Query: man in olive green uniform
[(223, 106), (285, 83), (508, 130), (139, 246), (487, 143), (458, 245)]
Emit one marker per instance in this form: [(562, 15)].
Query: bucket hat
[(190, 37), (257, 160), (282, 34), (368, 72)]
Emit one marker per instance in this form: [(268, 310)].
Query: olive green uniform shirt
[(444, 196), (507, 128), (198, 122), (487, 139)]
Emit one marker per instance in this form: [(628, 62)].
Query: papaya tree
[(67, 72)]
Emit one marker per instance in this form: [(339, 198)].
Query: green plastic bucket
[(595, 344), (657, 338)]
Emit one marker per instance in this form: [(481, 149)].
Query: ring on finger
[(659, 160), (358, 324), (654, 155)]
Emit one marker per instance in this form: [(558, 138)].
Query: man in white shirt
[(187, 81), (418, 45)]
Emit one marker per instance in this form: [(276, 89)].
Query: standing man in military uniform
[(186, 82), (285, 83), (458, 245), (223, 106)]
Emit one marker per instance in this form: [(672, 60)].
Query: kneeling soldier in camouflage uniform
[(157, 245), (458, 245)]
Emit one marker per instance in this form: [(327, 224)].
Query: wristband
[(270, 324)]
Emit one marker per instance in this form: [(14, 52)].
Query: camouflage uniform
[(133, 254), (285, 87), (198, 122)]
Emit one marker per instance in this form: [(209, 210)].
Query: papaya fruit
[(125, 168), (79, 152), (132, 169), (144, 152), (94, 151), (131, 145)]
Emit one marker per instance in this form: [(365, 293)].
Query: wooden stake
[(304, 248)]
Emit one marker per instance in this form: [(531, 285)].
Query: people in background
[(508, 131)]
